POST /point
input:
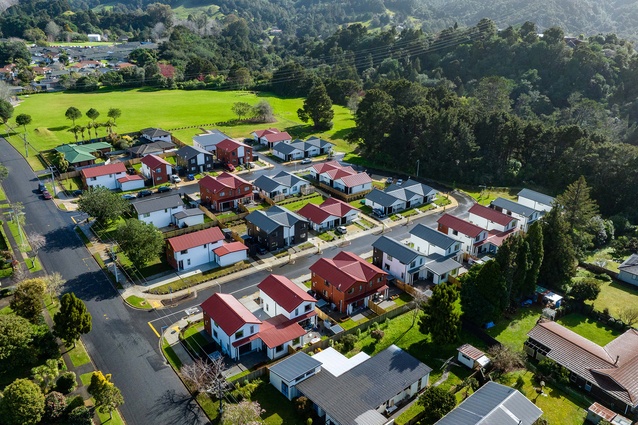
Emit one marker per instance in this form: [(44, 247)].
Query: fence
[(189, 229), (376, 309), (341, 195), (207, 213), (258, 373), (407, 288), (599, 270)]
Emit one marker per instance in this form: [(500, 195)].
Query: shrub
[(309, 421), (80, 416), (358, 333), (303, 405), (375, 325), (73, 403), (54, 405), (66, 383), (377, 334), (348, 342), (603, 277)]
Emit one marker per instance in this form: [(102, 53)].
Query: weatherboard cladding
[(274, 217), (295, 366), (515, 207), (199, 238), (491, 214), (149, 205), (187, 152), (379, 197), (396, 249), (432, 236), (228, 312), (536, 196)]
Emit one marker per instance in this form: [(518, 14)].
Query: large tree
[(141, 242), (534, 239), (317, 107), (23, 120), (22, 403), (441, 315), (6, 110), (115, 113), (585, 290), (73, 320), (101, 203), (241, 109), (514, 258), (437, 403), (73, 113), (577, 204), (27, 299), (245, 412), (483, 293), (559, 259), (107, 396), (93, 114), (16, 336)]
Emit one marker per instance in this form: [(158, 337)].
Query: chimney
[(616, 362)]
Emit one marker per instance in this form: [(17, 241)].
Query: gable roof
[(229, 248), (331, 207), (396, 249), (284, 292), (274, 217), (152, 147), (152, 161), (432, 236), (230, 145), (283, 178), (541, 198), (288, 148), (149, 205), (295, 366), (228, 312), (75, 153), (493, 404), (491, 214), (277, 137), (260, 133), (187, 152), (221, 182), (358, 392), (461, 226), (471, 351), (199, 238), (630, 265), (275, 331), (154, 132), (515, 207), (382, 198), (345, 270), (318, 142), (300, 145), (130, 178), (210, 138), (189, 212), (357, 179), (103, 170)]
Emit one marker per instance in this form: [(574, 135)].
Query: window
[(158, 170), (165, 210), (184, 251), (389, 257), (379, 279), (360, 288), (222, 193), (587, 386), (215, 334), (478, 238), (246, 189), (146, 215), (239, 334), (158, 178), (193, 161), (252, 329), (325, 293), (188, 261), (327, 283), (455, 233), (93, 179), (303, 235), (266, 307), (234, 153), (279, 348), (412, 264), (296, 312), (307, 307), (351, 290)]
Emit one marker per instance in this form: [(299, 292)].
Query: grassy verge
[(52, 305), (106, 419), (138, 302), (78, 355), (86, 378), (442, 201), (199, 278), (82, 236), (170, 355)]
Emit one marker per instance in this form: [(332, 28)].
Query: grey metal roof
[(432, 236), (366, 386), (295, 366), (536, 196), (187, 152), (190, 212), (493, 404), (149, 205), (211, 138), (515, 207), (317, 142), (265, 183), (379, 197), (151, 147), (287, 148), (274, 217), (440, 265), (396, 249), (630, 265), (155, 132), (269, 184)]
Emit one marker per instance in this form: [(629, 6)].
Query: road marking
[(154, 330)]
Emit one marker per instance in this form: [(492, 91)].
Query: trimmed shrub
[(66, 383), (348, 342), (73, 403), (377, 334), (80, 416), (54, 405)]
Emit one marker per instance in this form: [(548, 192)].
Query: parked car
[(175, 178), (342, 230), (229, 167), (41, 187), (379, 213), (143, 193), (77, 192), (389, 180), (190, 177), (128, 196), (399, 182), (163, 189), (46, 194), (306, 161)]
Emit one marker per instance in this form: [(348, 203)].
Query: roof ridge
[(569, 331)]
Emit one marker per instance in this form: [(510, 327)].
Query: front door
[(180, 265)]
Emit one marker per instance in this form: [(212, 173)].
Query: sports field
[(180, 111)]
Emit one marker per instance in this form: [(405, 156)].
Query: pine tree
[(559, 259), (441, 315), (483, 293), (577, 204), (534, 239), (317, 107), (73, 320)]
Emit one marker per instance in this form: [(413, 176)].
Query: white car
[(342, 229), (175, 178)]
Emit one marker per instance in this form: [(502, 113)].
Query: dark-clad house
[(277, 227), (194, 160)]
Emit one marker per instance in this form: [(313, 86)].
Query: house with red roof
[(225, 191), (491, 219), (343, 179), (470, 235), (193, 249), (157, 169), (238, 331), (233, 152), (104, 175), (271, 136), (131, 182), (230, 253), (331, 213), (347, 281), (279, 295)]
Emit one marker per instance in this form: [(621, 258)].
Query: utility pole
[(26, 145), (418, 161)]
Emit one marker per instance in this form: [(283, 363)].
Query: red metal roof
[(326, 166), (228, 312), (277, 137), (284, 292), (459, 225), (130, 178), (228, 248), (199, 238), (471, 351), (329, 207), (275, 331), (221, 182), (356, 179), (260, 133), (491, 214), (113, 168), (153, 161), (229, 145), (602, 411), (345, 270)]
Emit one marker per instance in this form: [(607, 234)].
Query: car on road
[(143, 193), (175, 178), (46, 194), (342, 230), (163, 189), (191, 311), (306, 161), (128, 196), (229, 167), (41, 187)]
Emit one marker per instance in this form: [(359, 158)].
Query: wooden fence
[(376, 308), (255, 374), (339, 194), (598, 270), (407, 288), (207, 213), (189, 229)]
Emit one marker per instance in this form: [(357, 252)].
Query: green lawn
[(86, 378), (297, 205), (611, 293), (590, 329), (604, 259), (170, 109), (78, 355), (278, 410), (486, 195), (194, 337), (513, 332), (172, 358), (106, 420), (138, 302)]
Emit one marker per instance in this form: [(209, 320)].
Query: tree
[(4, 173), (585, 290), (317, 107), (16, 336), (72, 321), (141, 242), (27, 299), (107, 396), (241, 109), (505, 359), (80, 416), (577, 204), (513, 258), (559, 258), (60, 162), (93, 114), (22, 403), (73, 113), (52, 30), (114, 113), (534, 239), (629, 315), (54, 406), (441, 315), (483, 293), (263, 112), (36, 241), (44, 375), (241, 77), (245, 412), (75, 130), (6, 110), (102, 204), (207, 376), (437, 403), (23, 120), (54, 282)]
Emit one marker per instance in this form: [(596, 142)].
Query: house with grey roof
[(158, 210), (493, 403), (536, 200), (370, 391), (628, 270), (282, 183), (525, 215), (395, 198), (277, 227), (286, 374), (188, 217), (155, 135), (194, 159), (209, 140), (150, 148), (299, 149), (430, 241)]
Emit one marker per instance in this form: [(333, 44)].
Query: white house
[(193, 249), (282, 183), (104, 175), (271, 136), (188, 217), (158, 211), (331, 213), (156, 135), (525, 215), (94, 37), (279, 295), (490, 219), (472, 357), (467, 233), (397, 198), (286, 374), (298, 149), (209, 140), (535, 200), (430, 241), (344, 179), (628, 270), (230, 253), (131, 182)]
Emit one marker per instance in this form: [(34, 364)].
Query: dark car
[(261, 250), (128, 196), (77, 192), (143, 193), (46, 195), (163, 189), (131, 170), (41, 187)]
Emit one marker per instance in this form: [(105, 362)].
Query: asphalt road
[(121, 342)]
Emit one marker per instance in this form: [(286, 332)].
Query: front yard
[(295, 204)]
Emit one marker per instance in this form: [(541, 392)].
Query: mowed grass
[(513, 332), (588, 328), (616, 296), (484, 196), (168, 109)]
